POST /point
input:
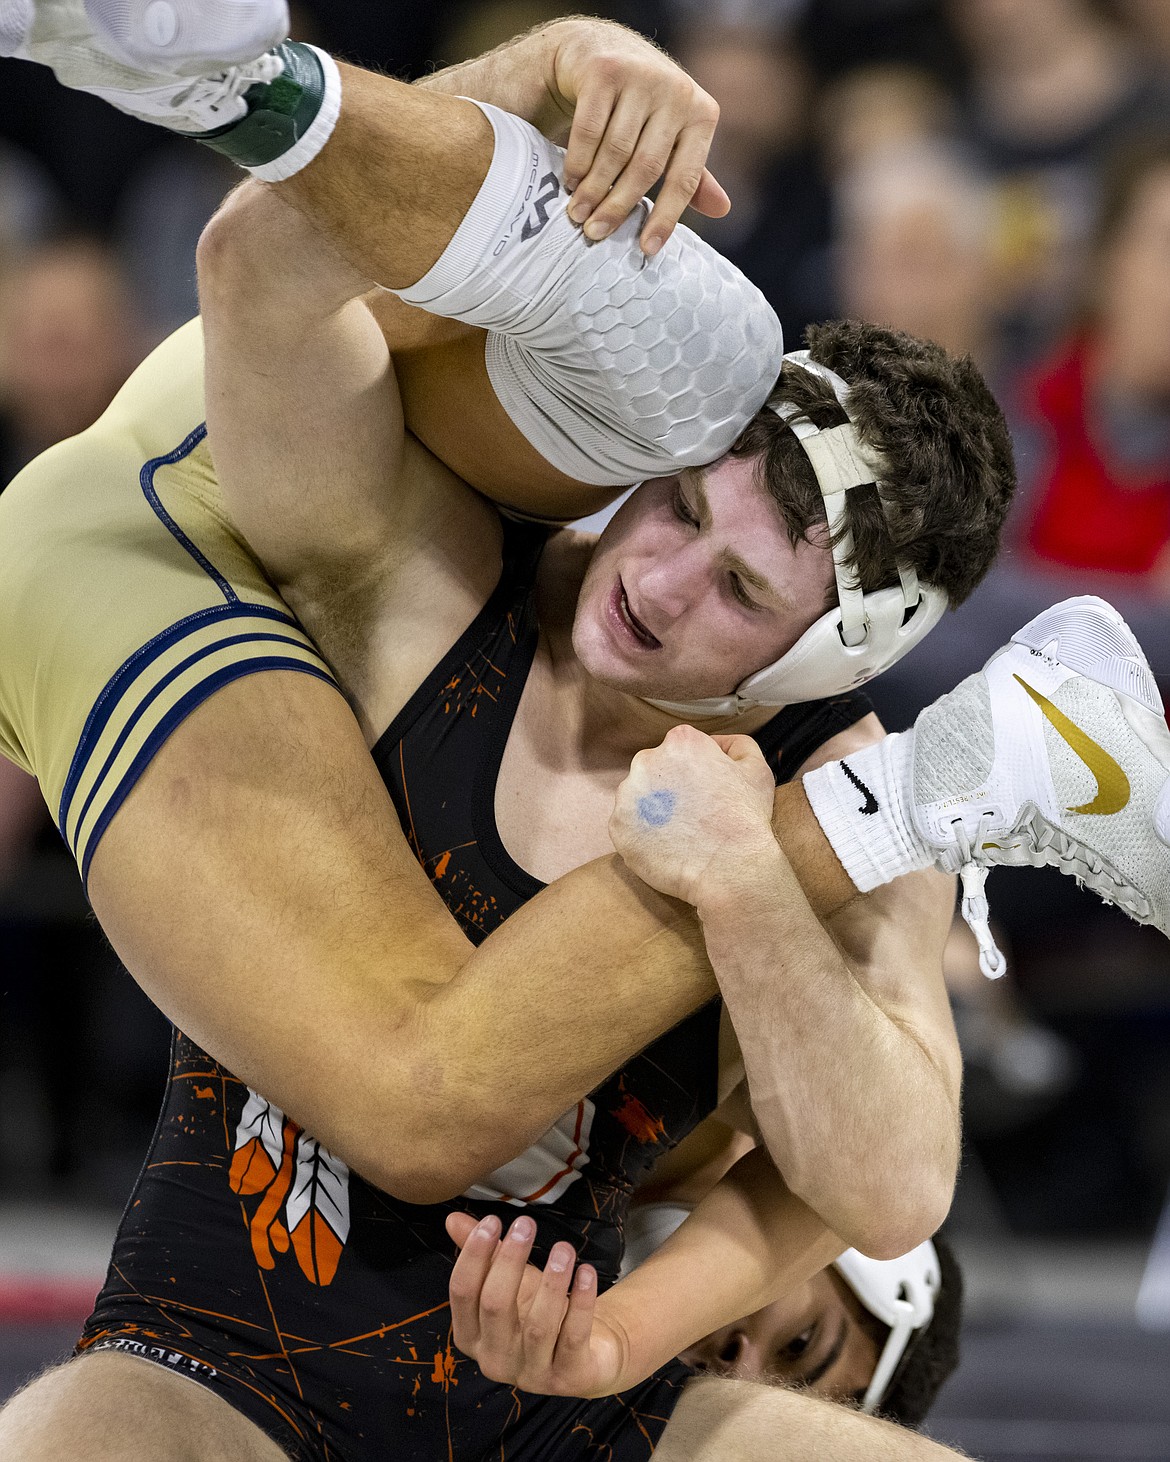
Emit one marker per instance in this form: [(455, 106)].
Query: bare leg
[(395, 180), (742, 1421), (114, 1408)]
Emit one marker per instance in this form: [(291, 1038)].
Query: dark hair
[(934, 1353), (930, 414)]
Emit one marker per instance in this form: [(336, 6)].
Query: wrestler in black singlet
[(253, 1261)]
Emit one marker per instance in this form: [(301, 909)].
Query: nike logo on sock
[(1112, 783), (870, 805)]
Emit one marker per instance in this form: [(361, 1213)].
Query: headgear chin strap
[(863, 634), (901, 1293)]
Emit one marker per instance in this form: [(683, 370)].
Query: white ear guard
[(863, 634), (901, 1293)]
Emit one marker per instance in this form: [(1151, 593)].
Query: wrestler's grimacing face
[(695, 584), (812, 1338)]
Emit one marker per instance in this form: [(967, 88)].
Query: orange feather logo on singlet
[(303, 1191)]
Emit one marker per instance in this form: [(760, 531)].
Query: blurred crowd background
[(993, 174)]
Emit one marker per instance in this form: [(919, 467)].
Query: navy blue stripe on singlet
[(178, 713), (114, 688), (150, 493), (158, 688)]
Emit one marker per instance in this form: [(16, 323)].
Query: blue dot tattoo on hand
[(656, 808)]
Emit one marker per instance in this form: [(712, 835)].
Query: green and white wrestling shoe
[(191, 37), (1056, 753), (176, 37), (176, 63)]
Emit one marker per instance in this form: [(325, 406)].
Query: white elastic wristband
[(306, 148)]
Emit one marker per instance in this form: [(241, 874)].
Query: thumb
[(737, 747), (710, 198)]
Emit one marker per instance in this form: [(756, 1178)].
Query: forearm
[(649, 967), (857, 1110), (519, 1036), (518, 76), (748, 1241)]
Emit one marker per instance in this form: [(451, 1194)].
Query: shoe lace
[(213, 98), (1047, 845), (975, 909)]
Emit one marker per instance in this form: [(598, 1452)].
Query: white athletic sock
[(862, 803)]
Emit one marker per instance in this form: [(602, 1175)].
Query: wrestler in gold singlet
[(127, 596)]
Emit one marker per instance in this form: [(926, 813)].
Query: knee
[(227, 236), (239, 248), (114, 1408)]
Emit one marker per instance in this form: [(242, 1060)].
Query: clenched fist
[(692, 810)]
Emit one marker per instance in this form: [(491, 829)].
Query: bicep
[(257, 885)]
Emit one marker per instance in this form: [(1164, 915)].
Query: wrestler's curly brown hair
[(951, 471)]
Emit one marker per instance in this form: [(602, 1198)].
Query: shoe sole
[(16, 18), (1097, 644), (189, 37)]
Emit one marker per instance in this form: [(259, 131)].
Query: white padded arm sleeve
[(614, 366)]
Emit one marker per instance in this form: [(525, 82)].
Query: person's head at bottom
[(883, 1335)]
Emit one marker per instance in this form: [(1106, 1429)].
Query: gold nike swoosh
[(1112, 783)]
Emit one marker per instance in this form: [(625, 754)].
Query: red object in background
[(1092, 514), (48, 1300)]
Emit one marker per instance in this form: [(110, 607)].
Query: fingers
[(517, 1321), (500, 1292), (739, 748), (471, 1270), (627, 133), (577, 1326), (680, 183), (590, 119), (630, 157), (460, 1226), (542, 1323), (710, 198)]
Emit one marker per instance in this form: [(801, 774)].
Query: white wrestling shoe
[(1056, 752), (171, 37), (189, 81), (190, 37)]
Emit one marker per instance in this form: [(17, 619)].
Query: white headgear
[(901, 1293), (863, 634)]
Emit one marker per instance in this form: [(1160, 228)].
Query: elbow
[(885, 1217), (420, 1183), (424, 1162), (894, 1223), (413, 1175), (224, 256)]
